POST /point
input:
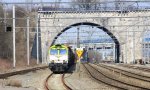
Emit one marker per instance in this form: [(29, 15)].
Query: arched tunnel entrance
[(117, 44)]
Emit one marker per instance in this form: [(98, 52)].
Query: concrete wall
[(126, 27)]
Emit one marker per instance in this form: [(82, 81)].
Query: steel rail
[(114, 85), (47, 87), (46, 82), (126, 73), (65, 85), (136, 67), (101, 80)]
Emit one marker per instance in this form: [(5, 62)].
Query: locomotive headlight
[(64, 61), (52, 61)]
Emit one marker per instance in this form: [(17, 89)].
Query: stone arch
[(117, 44)]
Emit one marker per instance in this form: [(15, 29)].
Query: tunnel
[(117, 44)]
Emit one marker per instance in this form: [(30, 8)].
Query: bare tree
[(1, 16), (102, 5), (123, 5), (94, 4), (84, 4), (6, 37)]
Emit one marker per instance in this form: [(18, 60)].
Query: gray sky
[(85, 33), (33, 0)]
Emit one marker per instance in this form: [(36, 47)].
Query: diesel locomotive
[(60, 57)]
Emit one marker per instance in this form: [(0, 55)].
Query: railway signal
[(79, 52)]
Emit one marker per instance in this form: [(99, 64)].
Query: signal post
[(79, 52)]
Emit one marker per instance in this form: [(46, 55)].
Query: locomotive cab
[(59, 58)]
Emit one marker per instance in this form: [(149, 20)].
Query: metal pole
[(14, 38), (46, 46), (144, 50), (28, 55), (133, 47), (78, 42), (78, 62), (133, 60), (37, 39), (104, 52), (116, 52), (124, 57), (126, 46), (5, 18), (46, 43), (114, 56), (43, 51), (142, 45), (95, 53), (148, 52)]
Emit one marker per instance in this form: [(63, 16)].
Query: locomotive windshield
[(63, 51), (53, 51)]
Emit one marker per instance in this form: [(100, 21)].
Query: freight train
[(60, 58)]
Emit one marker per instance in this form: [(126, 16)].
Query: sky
[(33, 0), (147, 3), (85, 33), (12, 1)]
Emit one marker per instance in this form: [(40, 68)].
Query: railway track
[(136, 67), (23, 71), (48, 87), (126, 73), (46, 82), (102, 77)]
